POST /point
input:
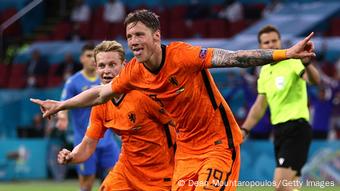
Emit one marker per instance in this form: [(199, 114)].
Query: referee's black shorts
[(291, 141)]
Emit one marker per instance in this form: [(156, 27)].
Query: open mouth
[(137, 51), (107, 78)]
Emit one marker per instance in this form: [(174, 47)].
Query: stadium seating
[(334, 29), (4, 74), (14, 29), (53, 80), (17, 77), (61, 30)]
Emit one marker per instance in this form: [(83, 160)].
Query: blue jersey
[(79, 118)]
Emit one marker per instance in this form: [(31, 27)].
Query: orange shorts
[(120, 179), (216, 170)]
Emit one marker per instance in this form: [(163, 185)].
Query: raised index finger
[(308, 37), (36, 101)]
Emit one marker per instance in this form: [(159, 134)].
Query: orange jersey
[(147, 141), (185, 87)]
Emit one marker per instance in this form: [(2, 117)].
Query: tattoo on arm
[(241, 58)]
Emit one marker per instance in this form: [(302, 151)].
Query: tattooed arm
[(241, 58), (247, 58)]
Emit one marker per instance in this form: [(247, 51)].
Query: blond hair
[(108, 46)]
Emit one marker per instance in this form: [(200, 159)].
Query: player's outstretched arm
[(80, 153), (247, 58), (90, 97)]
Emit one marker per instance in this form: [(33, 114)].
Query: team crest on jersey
[(173, 81), (132, 117), (203, 53), (162, 110)]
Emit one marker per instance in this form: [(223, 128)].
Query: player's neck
[(90, 74), (155, 60)]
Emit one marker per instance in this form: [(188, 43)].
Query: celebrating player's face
[(108, 65), (142, 41), (270, 40)]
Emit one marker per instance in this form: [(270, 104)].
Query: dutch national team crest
[(132, 117), (173, 81)]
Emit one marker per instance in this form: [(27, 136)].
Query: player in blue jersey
[(107, 151)]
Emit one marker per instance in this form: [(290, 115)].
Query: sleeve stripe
[(301, 73)]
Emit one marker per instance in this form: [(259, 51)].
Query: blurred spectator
[(75, 34), (232, 11), (197, 10), (67, 67), (39, 125), (327, 67), (322, 106), (272, 7), (114, 11), (332, 88), (57, 142), (80, 12), (36, 70), (35, 130), (13, 49), (337, 67), (336, 111)]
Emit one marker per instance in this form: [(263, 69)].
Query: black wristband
[(245, 130), (306, 64)]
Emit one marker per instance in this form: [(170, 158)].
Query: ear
[(157, 35), (81, 58)]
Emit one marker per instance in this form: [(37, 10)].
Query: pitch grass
[(72, 185), (67, 185)]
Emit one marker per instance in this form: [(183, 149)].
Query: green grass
[(302, 189), (72, 185), (68, 185)]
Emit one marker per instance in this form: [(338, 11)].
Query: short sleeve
[(68, 91), (195, 56), (96, 129), (298, 67), (260, 85)]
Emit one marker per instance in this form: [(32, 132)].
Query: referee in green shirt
[(282, 87)]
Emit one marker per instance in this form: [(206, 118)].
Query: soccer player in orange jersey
[(177, 77), (146, 161)]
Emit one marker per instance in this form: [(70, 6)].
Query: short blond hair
[(108, 46)]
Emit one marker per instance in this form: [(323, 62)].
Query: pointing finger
[(308, 37), (36, 101)]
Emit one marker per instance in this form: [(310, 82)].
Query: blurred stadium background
[(40, 42)]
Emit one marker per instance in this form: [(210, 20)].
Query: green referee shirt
[(285, 90)]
